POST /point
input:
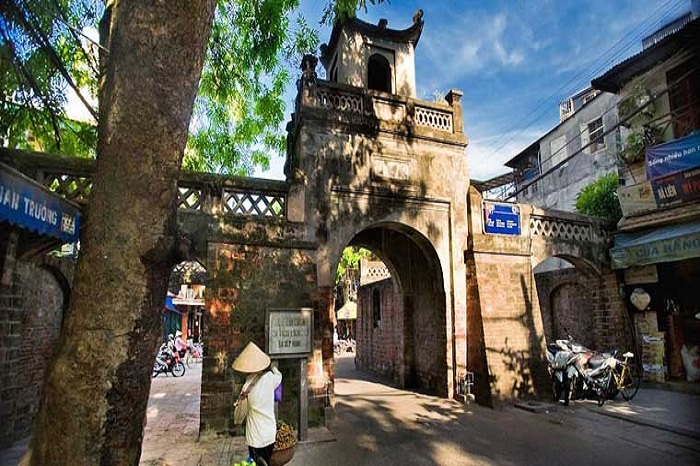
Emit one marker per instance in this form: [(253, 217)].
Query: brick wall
[(566, 305), (585, 305), (509, 345), (244, 282), (380, 347), (510, 317), (31, 314)]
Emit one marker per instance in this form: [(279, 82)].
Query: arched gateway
[(387, 171), (365, 167)]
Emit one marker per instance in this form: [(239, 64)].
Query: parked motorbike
[(168, 361), (580, 373), (593, 374), (561, 359)]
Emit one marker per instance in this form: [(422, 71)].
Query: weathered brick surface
[(380, 347), (244, 282), (511, 343), (31, 313), (565, 301)]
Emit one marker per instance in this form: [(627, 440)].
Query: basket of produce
[(285, 442)]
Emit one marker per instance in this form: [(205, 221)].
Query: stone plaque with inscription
[(391, 169), (289, 332)]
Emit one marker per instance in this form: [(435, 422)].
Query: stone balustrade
[(365, 104), (211, 193)]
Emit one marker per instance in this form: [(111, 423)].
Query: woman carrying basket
[(258, 390)]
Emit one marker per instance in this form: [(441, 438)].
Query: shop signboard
[(27, 204), (641, 275), (637, 198), (665, 244), (289, 332), (677, 188), (674, 156), (501, 218)]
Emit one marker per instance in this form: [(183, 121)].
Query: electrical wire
[(632, 41), (605, 133)]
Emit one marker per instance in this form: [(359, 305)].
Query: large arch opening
[(566, 287), (182, 317), (401, 325)]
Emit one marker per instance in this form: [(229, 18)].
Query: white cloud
[(477, 42), (486, 155)]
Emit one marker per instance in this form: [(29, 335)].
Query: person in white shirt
[(180, 345), (259, 388)]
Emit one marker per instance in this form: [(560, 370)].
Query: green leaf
[(600, 199)]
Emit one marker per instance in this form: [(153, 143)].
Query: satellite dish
[(640, 299)]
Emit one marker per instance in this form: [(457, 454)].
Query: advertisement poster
[(677, 188), (675, 156)]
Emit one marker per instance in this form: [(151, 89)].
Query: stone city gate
[(378, 168)]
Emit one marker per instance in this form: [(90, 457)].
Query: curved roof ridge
[(411, 34)]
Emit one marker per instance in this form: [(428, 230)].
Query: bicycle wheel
[(178, 369), (630, 384)]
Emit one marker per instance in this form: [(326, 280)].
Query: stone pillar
[(454, 97)]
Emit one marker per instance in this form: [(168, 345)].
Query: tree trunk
[(96, 391)]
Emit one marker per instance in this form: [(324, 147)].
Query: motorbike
[(580, 373), (593, 374), (561, 358), (168, 361)]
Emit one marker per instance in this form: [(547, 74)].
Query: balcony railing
[(72, 178), (356, 102)]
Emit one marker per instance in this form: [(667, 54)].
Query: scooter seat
[(596, 361), (576, 348)]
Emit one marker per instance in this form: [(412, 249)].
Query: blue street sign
[(501, 218)]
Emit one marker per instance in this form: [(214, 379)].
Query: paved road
[(172, 426), (376, 424)]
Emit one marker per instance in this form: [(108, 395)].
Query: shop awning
[(665, 244), (348, 311), (27, 204)]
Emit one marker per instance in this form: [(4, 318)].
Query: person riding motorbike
[(180, 344)]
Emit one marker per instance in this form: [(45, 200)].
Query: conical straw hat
[(251, 359)]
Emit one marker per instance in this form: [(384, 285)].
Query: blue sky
[(514, 60)]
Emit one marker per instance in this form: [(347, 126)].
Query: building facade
[(552, 171), (657, 249)]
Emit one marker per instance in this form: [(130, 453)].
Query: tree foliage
[(239, 110), (350, 260), (42, 56), (599, 198)]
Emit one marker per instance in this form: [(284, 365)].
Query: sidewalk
[(665, 410)]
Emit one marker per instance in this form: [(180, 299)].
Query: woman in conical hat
[(259, 389)]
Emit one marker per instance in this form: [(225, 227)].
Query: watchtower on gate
[(371, 165)]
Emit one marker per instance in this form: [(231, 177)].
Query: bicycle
[(625, 377)]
